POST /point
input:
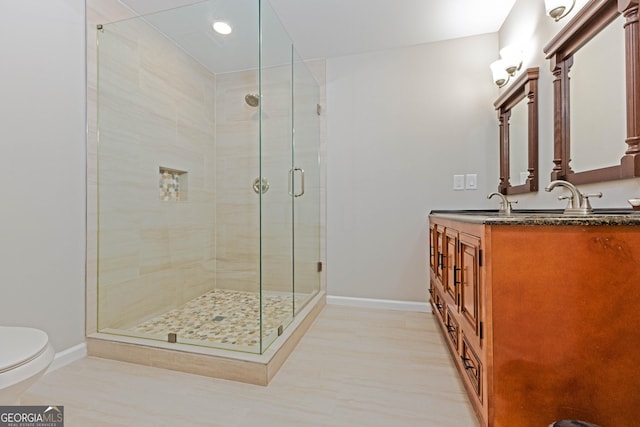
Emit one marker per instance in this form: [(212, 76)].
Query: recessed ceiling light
[(222, 27)]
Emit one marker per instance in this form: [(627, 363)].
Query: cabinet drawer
[(472, 366), (452, 328), (437, 303)]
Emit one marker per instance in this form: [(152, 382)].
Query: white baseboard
[(65, 357), (423, 307)]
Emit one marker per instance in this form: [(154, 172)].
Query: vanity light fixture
[(222, 27), (558, 9), (509, 63), (500, 74), (512, 58)]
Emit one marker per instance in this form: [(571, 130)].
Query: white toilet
[(25, 355)]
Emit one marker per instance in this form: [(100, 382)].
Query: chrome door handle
[(291, 174), (301, 181)]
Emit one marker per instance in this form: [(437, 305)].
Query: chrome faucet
[(578, 202), (505, 204)]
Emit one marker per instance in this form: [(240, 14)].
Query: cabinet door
[(440, 252), (449, 282), (433, 248), (470, 280)]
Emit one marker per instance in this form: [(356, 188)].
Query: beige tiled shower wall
[(240, 145), (237, 164), (156, 110)]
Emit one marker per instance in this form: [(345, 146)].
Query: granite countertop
[(616, 216)]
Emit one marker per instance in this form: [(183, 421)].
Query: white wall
[(42, 158), (528, 24), (400, 123)]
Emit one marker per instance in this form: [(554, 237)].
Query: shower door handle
[(292, 175)]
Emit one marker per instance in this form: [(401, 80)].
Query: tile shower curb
[(224, 364)]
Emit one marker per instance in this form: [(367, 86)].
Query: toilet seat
[(20, 346)]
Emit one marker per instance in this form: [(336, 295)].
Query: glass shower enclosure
[(208, 177)]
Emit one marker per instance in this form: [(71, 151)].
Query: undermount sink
[(558, 212), (615, 211)]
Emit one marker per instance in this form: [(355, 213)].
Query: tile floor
[(354, 367)]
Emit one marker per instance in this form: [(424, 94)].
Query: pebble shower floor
[(225, 317)]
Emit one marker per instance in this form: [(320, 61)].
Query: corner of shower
[(208, 219)]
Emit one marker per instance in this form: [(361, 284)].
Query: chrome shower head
[(252, 99)]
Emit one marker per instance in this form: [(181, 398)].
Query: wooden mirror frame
[(588, 22), (525, 87)]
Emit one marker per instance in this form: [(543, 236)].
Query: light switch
[(472, 181), (458, 182)]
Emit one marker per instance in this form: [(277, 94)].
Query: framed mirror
[(518, 120), (597, 105)]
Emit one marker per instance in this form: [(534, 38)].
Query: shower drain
[(219, 318)]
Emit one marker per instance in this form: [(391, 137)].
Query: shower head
[(252, 99)]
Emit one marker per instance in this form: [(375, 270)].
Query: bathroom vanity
[(540, 313)]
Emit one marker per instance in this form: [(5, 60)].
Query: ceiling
[(319, 28), (329, 28)]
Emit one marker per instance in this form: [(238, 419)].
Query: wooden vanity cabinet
[(542, 321), (456, 297)]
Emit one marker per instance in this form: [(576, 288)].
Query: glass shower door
[(276, 163), (289, 164), (306, 184)]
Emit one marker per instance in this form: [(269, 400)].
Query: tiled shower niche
[(173, 184)]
